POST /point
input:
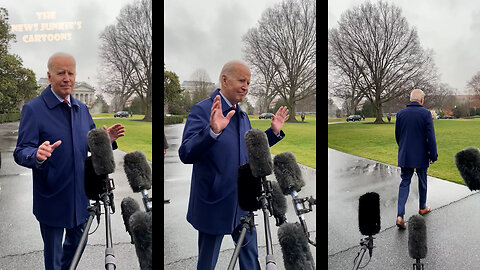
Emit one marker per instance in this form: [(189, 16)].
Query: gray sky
[(82, 41), (207, 34), (451, 28)]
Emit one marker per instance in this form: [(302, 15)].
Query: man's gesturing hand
[(45, 150), (217, 121)]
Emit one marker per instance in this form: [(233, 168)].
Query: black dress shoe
[(166, 201)]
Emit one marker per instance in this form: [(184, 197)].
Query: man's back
[(415, 136)]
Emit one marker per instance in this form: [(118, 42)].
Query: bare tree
[(200, 85), (474, 84), (283, 48), (262, 85), (375, 48), (126, 50)]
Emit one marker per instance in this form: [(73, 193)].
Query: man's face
[(62, 75), (235, 85)]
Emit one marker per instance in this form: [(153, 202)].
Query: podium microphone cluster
[(260, 163)]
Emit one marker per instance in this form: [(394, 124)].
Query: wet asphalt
[(453, 237), (180, 238), (21, 245)]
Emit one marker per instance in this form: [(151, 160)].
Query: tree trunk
[(379, 113)]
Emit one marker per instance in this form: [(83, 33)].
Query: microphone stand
[(300, 209), (365, 243), (147, 201), (246, 223), (94, 209), (265, 201), (418, 265)]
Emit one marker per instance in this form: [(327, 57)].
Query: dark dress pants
[(404, 188), (58, 256), (209, 248)]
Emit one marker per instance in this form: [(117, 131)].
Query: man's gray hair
[(58, 54), (228, 68), (416, 94)]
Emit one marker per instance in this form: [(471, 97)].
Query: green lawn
[(300, 138), (138, 134), (377, 142)]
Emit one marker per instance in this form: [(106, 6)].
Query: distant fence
[(9, 117)]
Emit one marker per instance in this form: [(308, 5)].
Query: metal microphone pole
[(246, 223), (107, 199), (266, 205), (109, 255), (92, 210), (365, 243)]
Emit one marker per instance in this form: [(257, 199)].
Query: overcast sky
[(451, 28), (207, 34), (87, 18)]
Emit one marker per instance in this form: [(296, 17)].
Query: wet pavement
[(21, 245), (180, 238), (452, 235)]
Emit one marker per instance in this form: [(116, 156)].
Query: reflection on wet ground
[(450, 221)]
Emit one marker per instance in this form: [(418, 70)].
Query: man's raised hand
[(45, 150), (217, 121)]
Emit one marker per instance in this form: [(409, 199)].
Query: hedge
[(10, 117), (172, 119)]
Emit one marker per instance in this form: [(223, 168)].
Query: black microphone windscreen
[(139, 173), (102, 152), (279, 202), (249, 189), (141, 227), (417, 237), (129, 206), (369, 213), (258, 152), (93, 183), (468, 164), (294, 245), (288, 173)]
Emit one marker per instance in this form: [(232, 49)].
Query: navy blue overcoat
[(59, 198), (415, 137), (213, 204)]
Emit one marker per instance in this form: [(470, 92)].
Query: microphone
[(279, 204), (129, 206), (139, 175), (290, 180), (102, 152), (93, 183), (368, 223), (288, 173), (369, 213), (249, 189), (141, 227), (468, 164), (417, 239), (258, 152), (294, 245)]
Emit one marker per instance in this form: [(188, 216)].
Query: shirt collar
[(61, 99), (226, 100)]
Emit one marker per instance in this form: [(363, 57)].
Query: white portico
[(85, 93), (82, 91)]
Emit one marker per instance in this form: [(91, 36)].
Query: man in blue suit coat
[(52, 141), (213, 141), (417, 149)]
